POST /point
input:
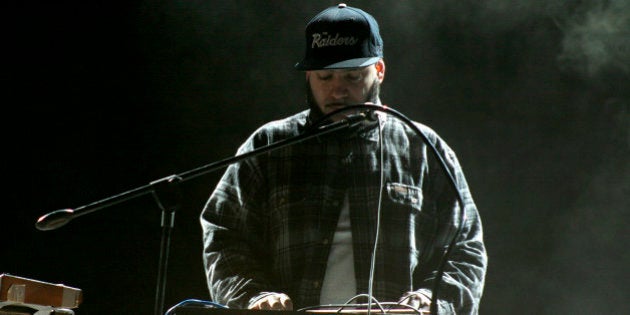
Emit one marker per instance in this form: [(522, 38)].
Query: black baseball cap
[(341, 37)]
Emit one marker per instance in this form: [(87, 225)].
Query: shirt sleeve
[(233, 236), (462, 283)]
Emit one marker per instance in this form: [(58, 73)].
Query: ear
[(307, 74), (380, 70)]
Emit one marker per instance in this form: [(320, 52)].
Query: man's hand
[(276, 301), (416, 300)]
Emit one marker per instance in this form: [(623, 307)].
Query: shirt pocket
[(408, 226), (405, 195)]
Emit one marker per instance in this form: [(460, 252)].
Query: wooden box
[(29, 291)]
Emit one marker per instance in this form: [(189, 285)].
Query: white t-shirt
[(339, 283)]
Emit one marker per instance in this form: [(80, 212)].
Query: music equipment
[(198, 310), (19, 290)]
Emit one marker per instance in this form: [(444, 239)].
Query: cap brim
[(350, 63)]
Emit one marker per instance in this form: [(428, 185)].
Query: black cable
[(385, 307), (194, 302), (382, 108)]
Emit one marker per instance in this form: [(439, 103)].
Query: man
[(297, 226)]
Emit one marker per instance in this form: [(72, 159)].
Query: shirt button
[(316, 284), (325, 241)]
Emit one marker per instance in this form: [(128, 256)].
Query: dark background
[(101, 97)]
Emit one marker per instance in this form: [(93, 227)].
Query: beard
[(316, 113)]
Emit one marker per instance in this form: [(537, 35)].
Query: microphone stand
[(167, 195)]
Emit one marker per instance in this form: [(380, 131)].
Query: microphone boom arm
[(168, 187), (59, 218)]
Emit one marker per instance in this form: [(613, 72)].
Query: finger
[(274, 302), (413, 301), (263, 304), (286, 303)]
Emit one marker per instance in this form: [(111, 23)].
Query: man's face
[(337, 88)]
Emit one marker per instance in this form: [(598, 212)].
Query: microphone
[(54, 220), (370, 115), (355, 119), (351, 120)]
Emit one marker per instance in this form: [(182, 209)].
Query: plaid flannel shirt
[(268, 225)]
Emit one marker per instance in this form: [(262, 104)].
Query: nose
[(339, 89)]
